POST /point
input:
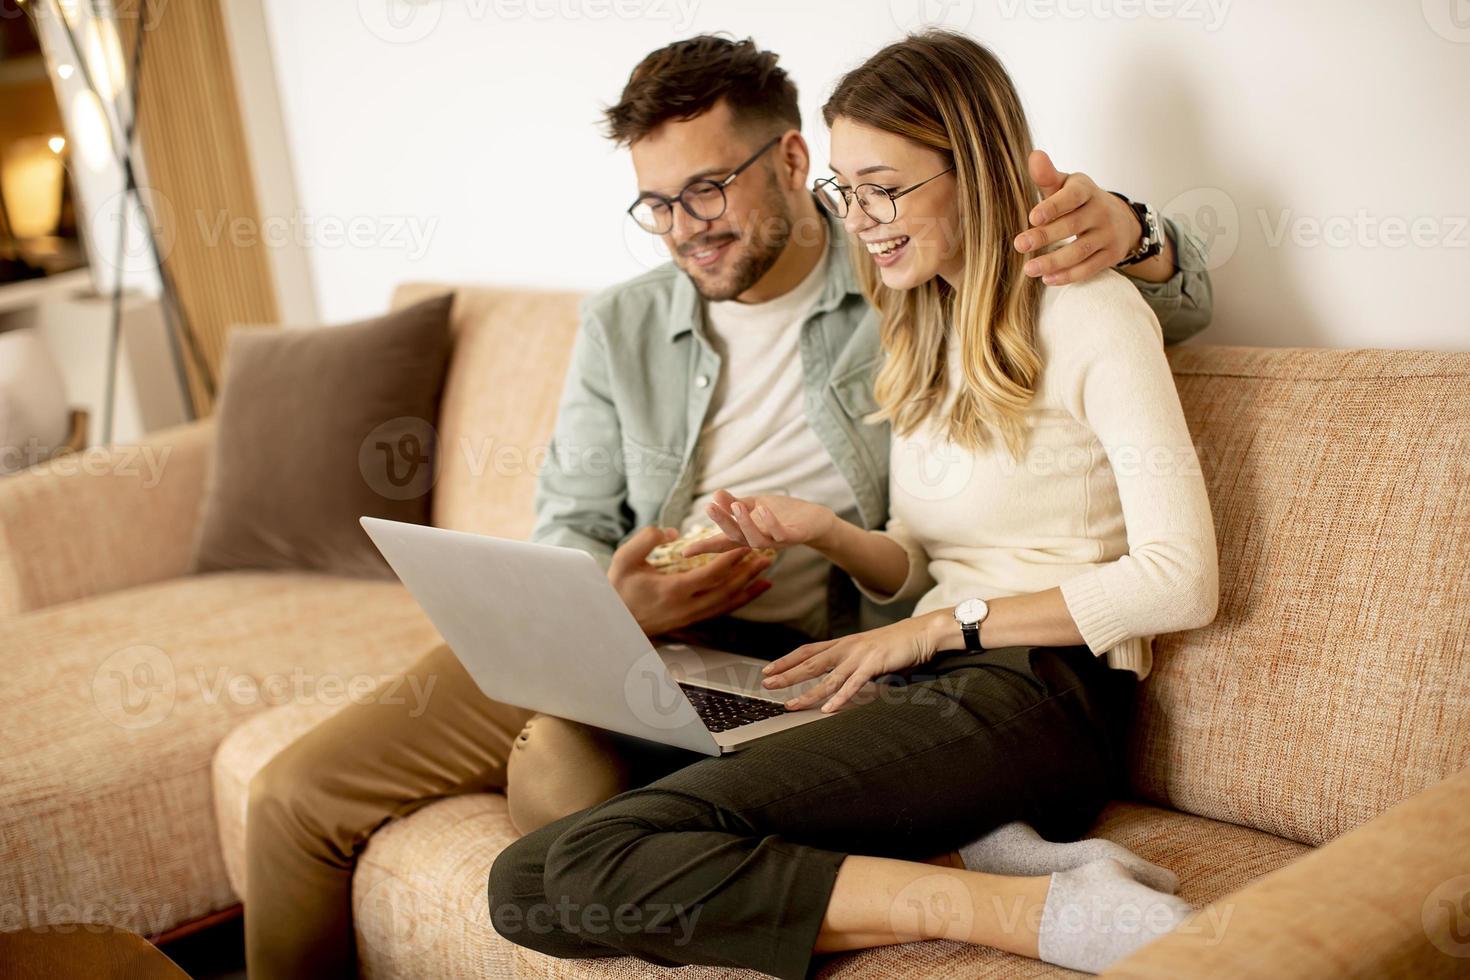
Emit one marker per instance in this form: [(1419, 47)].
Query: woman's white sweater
[(1107, 500)]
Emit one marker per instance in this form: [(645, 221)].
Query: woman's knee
[(558, 767), (515, 891), (602, 856), (578, 865)]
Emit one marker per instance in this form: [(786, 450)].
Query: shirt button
[(702, 381)]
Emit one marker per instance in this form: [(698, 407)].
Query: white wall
[(1322, 144)]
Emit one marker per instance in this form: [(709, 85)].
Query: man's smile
[(708, 252)]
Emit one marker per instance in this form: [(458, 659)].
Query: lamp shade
[(31, 179)]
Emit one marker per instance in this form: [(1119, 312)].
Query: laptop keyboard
[(721, 711)]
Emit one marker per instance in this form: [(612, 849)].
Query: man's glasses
[(878, 203), (704, 199)]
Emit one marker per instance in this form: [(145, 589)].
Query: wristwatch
[(970, 614), (1152, 242)]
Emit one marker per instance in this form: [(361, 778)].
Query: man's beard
[(772, 233)]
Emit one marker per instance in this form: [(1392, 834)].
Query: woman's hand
[(766, 521), (851, 661)]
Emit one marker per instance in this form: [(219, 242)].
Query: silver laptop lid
[(541, 627)]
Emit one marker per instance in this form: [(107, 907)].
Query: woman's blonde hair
[(946, 91)]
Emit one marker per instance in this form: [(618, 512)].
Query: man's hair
[(687, 78)]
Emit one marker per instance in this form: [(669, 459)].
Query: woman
[(1043, 482)]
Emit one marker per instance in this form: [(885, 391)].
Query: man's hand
[(1105, 228), (664, 601), (765, 521)]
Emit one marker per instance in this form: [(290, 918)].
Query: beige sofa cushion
[(419, 899), (1335, 680), (419, 893), (112, 708), (511, 350)]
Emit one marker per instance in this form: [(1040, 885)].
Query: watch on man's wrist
[(1152, 241), (970, 614)]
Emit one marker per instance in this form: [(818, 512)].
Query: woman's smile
[(887, 251)]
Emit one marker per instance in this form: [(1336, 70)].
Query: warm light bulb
[(57, 144), (64, 71)]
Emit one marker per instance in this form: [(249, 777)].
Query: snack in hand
[(669, 558)]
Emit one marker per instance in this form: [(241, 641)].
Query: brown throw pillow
[(317, 427)]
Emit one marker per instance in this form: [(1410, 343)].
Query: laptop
[(541, 627)]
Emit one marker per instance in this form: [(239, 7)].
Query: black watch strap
[(971, 633), (1150, 242)]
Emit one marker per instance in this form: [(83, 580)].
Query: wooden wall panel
[(193, 145)]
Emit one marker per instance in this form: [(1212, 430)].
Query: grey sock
[(1097, 913), (1016, 848)]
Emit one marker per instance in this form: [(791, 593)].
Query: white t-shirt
[(756, 439)]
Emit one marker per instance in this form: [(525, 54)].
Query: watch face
[(1155, 234), (970, 611)]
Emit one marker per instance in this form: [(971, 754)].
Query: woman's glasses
[(878, 203)]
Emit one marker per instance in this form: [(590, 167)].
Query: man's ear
[(796, 159)]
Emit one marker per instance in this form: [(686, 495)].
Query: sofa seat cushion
[(420, 908), (419, 892), (112, 709)]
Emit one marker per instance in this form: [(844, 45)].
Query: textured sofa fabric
[(419, 891), (1335, 680), (112, 708), (1332, 686), (511, 349), (1391, 891), (93, 523)]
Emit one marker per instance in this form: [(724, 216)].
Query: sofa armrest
[(102, 519), (1390, 898)]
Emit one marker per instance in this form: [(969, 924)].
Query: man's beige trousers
[(314, 806)]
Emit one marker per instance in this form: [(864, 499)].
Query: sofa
[(1301, 762)]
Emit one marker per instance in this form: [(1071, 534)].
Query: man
[(745, 363)]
